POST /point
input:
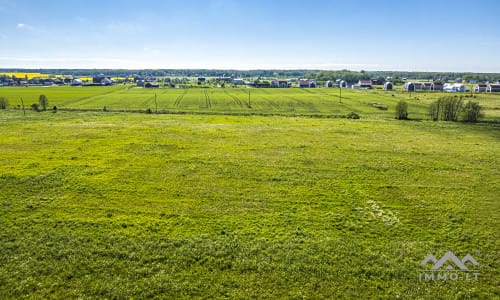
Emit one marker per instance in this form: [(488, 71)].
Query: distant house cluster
[(487, 88)]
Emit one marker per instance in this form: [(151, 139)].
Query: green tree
[(43, 101), (472, 112), (402, 110), (447, 108), (3, 103)]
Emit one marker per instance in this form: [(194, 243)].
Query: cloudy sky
[(230, 34)]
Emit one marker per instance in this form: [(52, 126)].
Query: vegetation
[(446, 108), (215, 199), (43, 101), (472, 111), (402, 110), (3, 103)]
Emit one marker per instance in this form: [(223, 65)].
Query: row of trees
[(43, 103)]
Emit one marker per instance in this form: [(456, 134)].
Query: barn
[(409, 87), (493, 88), (342, 84), (366, 84), (427, 86), (329, 84), (437, 86), (388, 86), (480, 88)]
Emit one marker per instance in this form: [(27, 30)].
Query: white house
[(367, 84), (307, 83), (76, 82)]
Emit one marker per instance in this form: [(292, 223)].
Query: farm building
[(151, 85), (140, 82), (427, 86), (201, 79), (329, 84), (480, 88), (343, 84), (76, 82), (455, 88), (367, 84), (279, 84), (388, 86), (418, 86), (437, 86), (307, 83), (493, 88), (238, 81), (107, 81), (409, 87)]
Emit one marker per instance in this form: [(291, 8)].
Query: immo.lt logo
[(449, 267)]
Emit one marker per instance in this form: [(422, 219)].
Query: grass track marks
[(236, 100), (179, 98)]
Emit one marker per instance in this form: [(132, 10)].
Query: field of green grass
[(191, 206), (323, 102)]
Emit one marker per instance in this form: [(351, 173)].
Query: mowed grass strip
[(115, 205)]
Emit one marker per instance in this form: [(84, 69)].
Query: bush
[(3, 103), (446, 108), (44, 102), (472, 112), (402, 110), (35, 107), (352, 115)]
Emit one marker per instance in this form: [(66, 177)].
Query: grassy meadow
[(221, 200), (321, 102)]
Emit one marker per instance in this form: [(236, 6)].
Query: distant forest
[(350, 76)]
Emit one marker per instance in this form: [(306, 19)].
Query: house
[(427, 86), (437, 86), (388, 86), (238, 81), (279, 84), (454, 88), (493, 88), (106, 81), (409, 87), (367, 84), (307, 83), (201, 79), (151, 85), (76, 82), (329, 84), (480, 88)]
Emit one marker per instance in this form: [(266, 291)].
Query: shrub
[(352, 115), (3, 103), (402, 110), (44, 102), (35, 107), (472, 112)]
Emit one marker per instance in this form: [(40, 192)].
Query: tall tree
[(43, 101)]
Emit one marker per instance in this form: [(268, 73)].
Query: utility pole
[(340, 93), (156, 104), (22, 104), (249, 105)]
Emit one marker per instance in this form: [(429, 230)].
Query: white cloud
[(23, 26)]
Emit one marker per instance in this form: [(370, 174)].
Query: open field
[(322, 102), (119, 205)]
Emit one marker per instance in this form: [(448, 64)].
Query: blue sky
[(370, 35)]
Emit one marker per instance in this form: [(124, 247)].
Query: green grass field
[(192, 206), (323, 102)]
